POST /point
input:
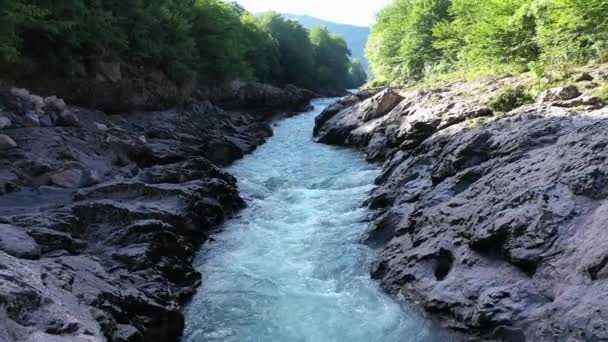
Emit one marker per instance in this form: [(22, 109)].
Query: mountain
[(355, 36)]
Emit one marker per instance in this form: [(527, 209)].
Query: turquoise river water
[(290, 267)]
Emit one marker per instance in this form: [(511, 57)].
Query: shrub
[(509, 99), (602, 92)]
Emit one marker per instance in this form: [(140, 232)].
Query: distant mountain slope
[(355, 36)]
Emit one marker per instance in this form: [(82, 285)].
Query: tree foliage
[(203, 39), (416, 39)]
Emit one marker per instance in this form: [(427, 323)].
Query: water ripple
[(289, 267)]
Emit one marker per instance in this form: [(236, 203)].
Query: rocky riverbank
[(494, 222), (101, 215)]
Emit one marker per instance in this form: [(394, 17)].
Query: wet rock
[(6, 143)]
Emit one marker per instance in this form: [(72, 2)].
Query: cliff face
[(101, 216), (493, 222)]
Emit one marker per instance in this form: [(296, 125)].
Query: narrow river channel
[(290, 267)]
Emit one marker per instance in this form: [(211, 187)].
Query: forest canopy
[(187, 39), (414, 40)]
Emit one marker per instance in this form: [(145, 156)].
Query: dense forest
[(414, 40), (187, 39)]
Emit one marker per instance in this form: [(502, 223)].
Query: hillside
[(355, 36)]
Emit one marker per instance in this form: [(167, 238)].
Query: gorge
[(189, 170)]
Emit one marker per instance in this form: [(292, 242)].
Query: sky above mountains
[(354, 12)]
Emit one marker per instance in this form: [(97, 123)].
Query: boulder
[(100, 127), (31, 120), (23, 101), (560, 93), (583, 77), (6, 143), (16, 242), (8, 182), (54, 104), (67, 119), (380, 104), (5, 122), (45, 120), (70, 178)]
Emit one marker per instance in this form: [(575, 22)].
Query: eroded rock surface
[(100, 216), (493, 222)]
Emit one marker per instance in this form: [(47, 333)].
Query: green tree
[(218, 34), (261, 49), (296, 51), (15, 17), (484, 34), (204, 39), (401, 43), (356, 75), (332, 58), (572, 31)]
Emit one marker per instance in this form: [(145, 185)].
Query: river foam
[(290, 267)]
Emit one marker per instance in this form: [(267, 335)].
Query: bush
[(425, 39), (509, 99), (602, 92)]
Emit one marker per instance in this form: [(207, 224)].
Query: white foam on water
[(290, 267)]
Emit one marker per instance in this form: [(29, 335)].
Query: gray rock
[(561, 93), (16, 242), (114, 260), (66, 118), (54, 104), (492, 224), (6, 143), (583, 77), (31, 120), (108, 71), (71, 178), (100, 126), (5, 122), (24, 101), (45, 120)]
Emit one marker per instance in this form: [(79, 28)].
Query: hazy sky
[(355, 12)]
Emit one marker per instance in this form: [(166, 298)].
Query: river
[(290, 266)]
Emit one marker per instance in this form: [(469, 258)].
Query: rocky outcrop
[(493, 222), (118, 87), (101, 216), (239, 95)]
